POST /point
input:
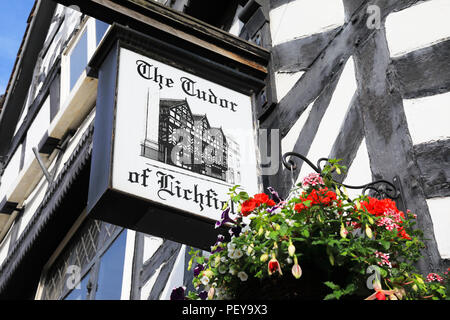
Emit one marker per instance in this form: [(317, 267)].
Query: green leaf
[(386, 244), (330, 296), (331, 285), (273, 235), (243, 195), (305, 233)]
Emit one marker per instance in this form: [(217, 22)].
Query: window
[(109, 285), (80, 50), (78, 59), (100, 30), (90, 266)]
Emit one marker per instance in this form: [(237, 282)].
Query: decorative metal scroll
[(379, 188)]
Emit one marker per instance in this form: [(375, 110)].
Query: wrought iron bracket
[(380, 188)]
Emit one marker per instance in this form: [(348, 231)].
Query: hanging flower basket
[(318, 244)]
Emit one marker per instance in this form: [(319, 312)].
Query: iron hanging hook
[(385, 187)]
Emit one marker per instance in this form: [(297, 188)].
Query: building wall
[(341, 85), (359, 80)]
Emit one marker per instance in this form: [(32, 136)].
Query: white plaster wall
[(440, 215), (11, 173), (359, 172), (428, 117), (151, 244), (288, 142), (31, 204), (284, 81), (300, 18), (128, 266), (36, 131), (418, 26), (333, 118)]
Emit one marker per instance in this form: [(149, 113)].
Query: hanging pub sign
[(168, 145)]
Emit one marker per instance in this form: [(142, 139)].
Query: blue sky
[(13, 22)]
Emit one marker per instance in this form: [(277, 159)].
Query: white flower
[(244, 229), (235, 254), (290, 222), (204, 280), (232, 271), (242, 275), (231, 246), (222, 269), (277, 211), (223, 259)]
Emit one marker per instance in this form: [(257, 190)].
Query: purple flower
[(275, 194), (198, 269), (177, 294), (218, 249), (203, 295), (220, 238), (224, 218), (235, 231)]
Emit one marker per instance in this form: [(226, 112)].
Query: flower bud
[(260, 231), (291, 249), (369, 232), (211, 293), (296, 270), (343, 231), (208, 273), (264, 257)]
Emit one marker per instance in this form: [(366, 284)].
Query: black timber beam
[(425, 71), (433, 159), (388, 141), (299, 54)]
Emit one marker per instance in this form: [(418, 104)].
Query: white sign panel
[(180, 140)]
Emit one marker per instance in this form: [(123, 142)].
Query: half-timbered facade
[(364, 81)]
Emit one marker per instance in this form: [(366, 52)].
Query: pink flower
[(388, 223), (312, 180), (384, 259), (434, 277), (395, 215)]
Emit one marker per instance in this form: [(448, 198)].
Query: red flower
[(274, 266), (261, 198), (402, 234), (248, 206), (270, 203), (380, 296), (299, 207), (323, 197)]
